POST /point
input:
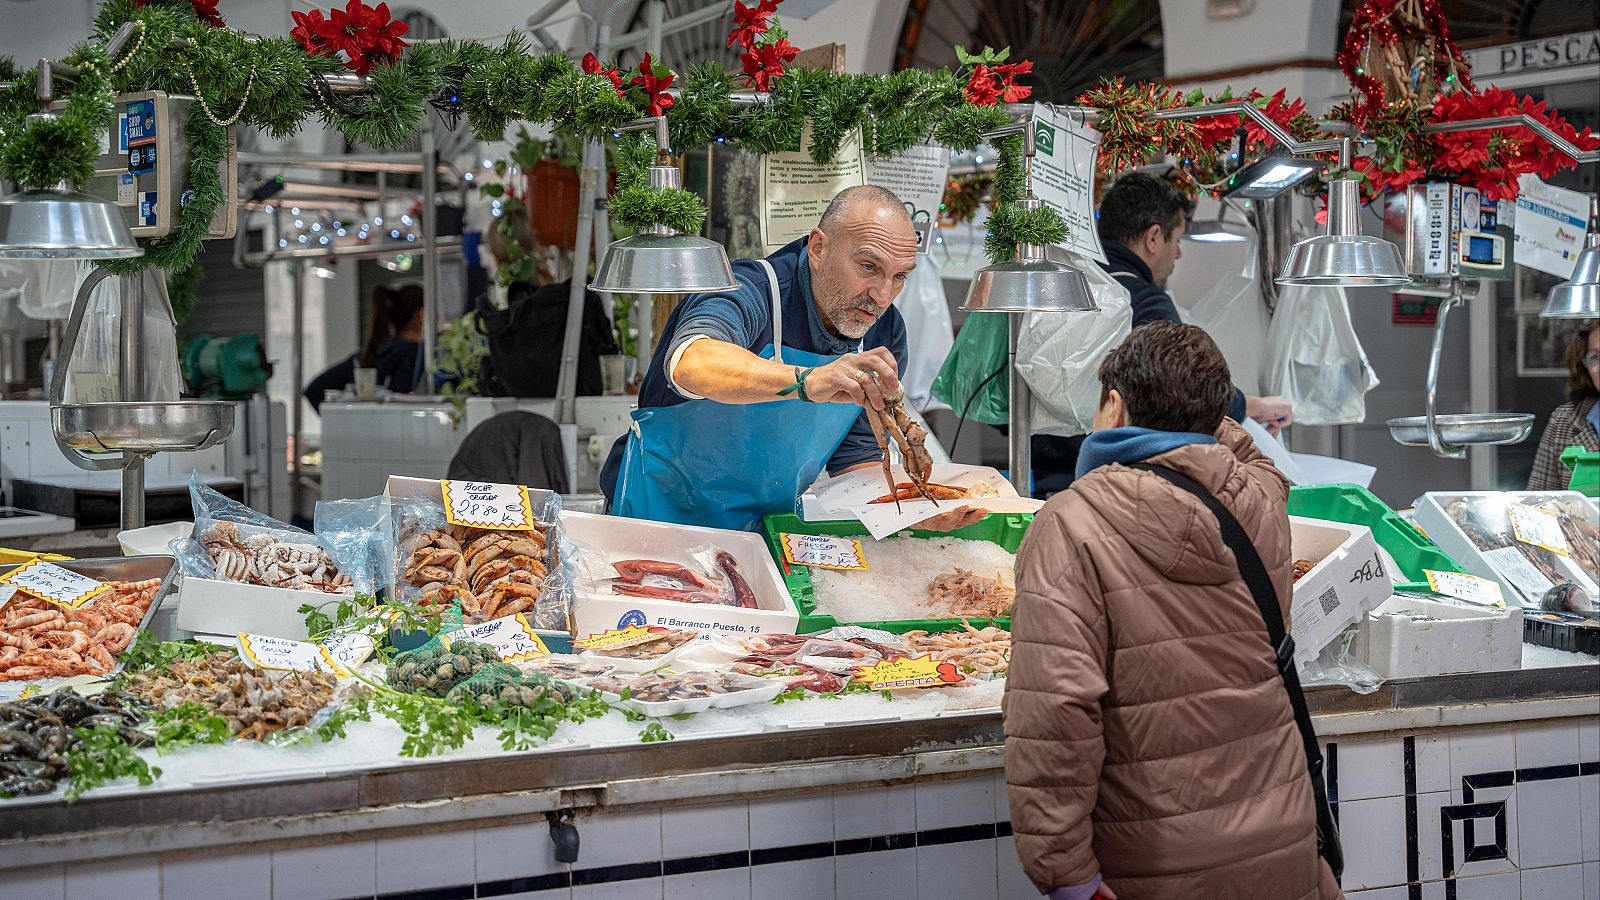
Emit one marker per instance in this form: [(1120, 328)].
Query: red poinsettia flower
[(310, 32), (204, 10), (367, 34), (1494, 160), (1010, 91), (981, 90), (591, 66), (764, 63), (751, 21), (657, 100)]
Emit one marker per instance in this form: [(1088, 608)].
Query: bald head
[(860, 254), (864, 201)]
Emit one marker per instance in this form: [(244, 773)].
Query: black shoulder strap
[(1266, 597)]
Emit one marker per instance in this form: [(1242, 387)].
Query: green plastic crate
[(1005, 529), (1585, 466), (1355, 505)]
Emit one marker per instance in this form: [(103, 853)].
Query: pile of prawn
[(39, 639)]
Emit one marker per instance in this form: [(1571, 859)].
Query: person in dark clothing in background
[(393, 346), (1142, 221), (525, 340)]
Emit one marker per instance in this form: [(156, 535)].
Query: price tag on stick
[(51, 582), (1539, 528), (481, 504), (823, 551), (266, 652), (1470, 588)]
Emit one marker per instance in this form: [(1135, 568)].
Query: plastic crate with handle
[(1355, 505), (1585, 466)]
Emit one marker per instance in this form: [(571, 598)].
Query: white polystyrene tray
[(636, 665), (1433, 518), (761, 690)]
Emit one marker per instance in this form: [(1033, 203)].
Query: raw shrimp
[(116, 637)]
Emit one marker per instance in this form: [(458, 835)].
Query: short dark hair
[(847, 199), (1171, 377), (1580, 386), (1138, 200)]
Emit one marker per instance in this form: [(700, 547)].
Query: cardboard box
[(1433, 518), (1409, 637), (602, 540), (1350, 578)]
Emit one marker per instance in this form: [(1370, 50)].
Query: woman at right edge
[(1575, 423), (1151, 750)]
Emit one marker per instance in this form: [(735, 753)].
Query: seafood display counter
[(796, 798)]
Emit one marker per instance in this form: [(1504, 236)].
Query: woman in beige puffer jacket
[(1149, 738)]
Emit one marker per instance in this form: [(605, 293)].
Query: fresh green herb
[(149, 652), (794, 693), (355, 709), (887, 695), (101, 757), (187, 725), (627, 713), (431, 726), (682, 717), (654, 732)]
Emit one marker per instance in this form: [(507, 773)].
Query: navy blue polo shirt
[(743, 317)]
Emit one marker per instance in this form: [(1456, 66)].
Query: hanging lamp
[(1343, 256)]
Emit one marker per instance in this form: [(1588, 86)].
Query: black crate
[(1561, 634)]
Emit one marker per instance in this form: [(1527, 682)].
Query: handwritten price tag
[(480, 504), (62, 587), (914, 672), (512, 636), (1511, 565), (1470, 588), (1539, 528), (350, 649), (616, 639), (823, 551), (285, 655)]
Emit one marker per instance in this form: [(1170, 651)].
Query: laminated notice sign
[(918, 178), (1551, 223), (1063, 175), (48, 581), (479, 504), (795, 190)]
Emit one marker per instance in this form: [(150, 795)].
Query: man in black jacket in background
[(1142, 221)]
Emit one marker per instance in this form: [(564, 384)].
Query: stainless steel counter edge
[(479, 791)]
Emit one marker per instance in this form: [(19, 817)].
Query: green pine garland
[(1010, 224), (636, 205), (702, 109), (208, 147)]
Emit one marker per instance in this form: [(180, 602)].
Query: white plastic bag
[(1059, 354), (929, 333), (1232, 313), (1314, 359)]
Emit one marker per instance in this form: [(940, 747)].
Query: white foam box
[(229, 607), (1455, 638), (603, 540), (1349, 579), (1433, 519)]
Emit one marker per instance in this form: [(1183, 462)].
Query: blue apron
[(725, 465)]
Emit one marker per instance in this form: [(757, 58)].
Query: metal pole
[(1021, 400), (297, 271), (131, 365), (713, 13), (430, 255)]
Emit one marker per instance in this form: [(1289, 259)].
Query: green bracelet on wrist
[(799, 386)]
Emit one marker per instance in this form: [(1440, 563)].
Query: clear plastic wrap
[(232, 542), (486, 573), (359, 536), (1337, 665)]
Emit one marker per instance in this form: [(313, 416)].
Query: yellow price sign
[(618, 638), (823, 551), (481, 504), (911, 672)]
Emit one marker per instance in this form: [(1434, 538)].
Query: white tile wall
[(1557, 883), (610, 839), (1478, 751), (643, 889), (1430, 854), (872, 811), (962, 801), (441, 859), (1551, 836), (119, 879), (705, 828), (1589, 813), (804, 879), (516, 851), (325, 871), (1591, 881), (37, 883), (1369, 769), (872, 876), (1002, 801), (964, 871), (1388, 893), (726, 884), (1373, 832), (1433, 890), (1014, 884), (1488, 887), (1547, 744), (1432, 754), (1485, 834), (248, 876), (1589, 738), (787, 821)]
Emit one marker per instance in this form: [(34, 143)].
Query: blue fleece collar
[(1131, 445)]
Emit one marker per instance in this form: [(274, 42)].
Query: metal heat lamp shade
[(63, 224), (1344, 257), (1216, 231), (659, 260), (1579, 296), (1029, 283)]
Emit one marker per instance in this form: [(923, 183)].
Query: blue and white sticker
[(142, 159), (141, 118), (147, 208), (631, 618), (125, 189)]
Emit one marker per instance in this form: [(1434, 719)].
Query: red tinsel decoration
[(204, 10), (654, 80), (765, 62), (1393, 23)]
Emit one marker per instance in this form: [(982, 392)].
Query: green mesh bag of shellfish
[(502, 683), (435, 668)]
